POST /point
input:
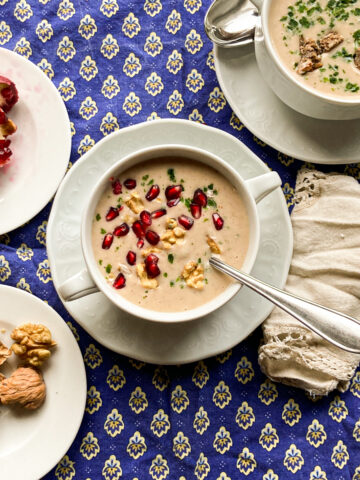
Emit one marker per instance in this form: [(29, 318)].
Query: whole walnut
[(25, 387)]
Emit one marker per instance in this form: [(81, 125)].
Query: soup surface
[(319, 42), (157, 225)]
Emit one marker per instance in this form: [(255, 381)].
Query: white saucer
[(33, 442), (41, 145), (141, 339), (261, 111)]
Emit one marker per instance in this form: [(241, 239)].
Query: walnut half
[(32, 343), (193, 274), (25, 387)]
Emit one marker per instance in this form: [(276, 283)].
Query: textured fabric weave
[(116, 63)]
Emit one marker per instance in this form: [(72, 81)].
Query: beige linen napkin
[(325, 269)]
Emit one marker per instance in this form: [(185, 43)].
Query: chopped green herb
[(103, 231), (171, 174), (187, 203), (172, 284), (165, 275), (171, 258), (352, 87), (100, 262), (98, 217), (199, 260), (211, 186), (206, 220), (108, 268), (356, 11), (284, 18), (178, 279), (343, 53), (305, 22), (211, 203), (117, 248), (145, 177), (151, 182), (181, 286), (321, 20), (206, 281)]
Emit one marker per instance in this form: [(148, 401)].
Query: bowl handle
[(262, 185), (77, 286)]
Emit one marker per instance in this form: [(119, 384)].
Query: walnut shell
[(25, 387)]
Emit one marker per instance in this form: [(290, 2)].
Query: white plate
[(41, 145), (141, 339), (261, 111), (32, 443)]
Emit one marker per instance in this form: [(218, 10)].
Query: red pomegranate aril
[(108, 240), (158, 213), (173, 191), (152, 193), (218, 221), (173, 202), (186, 221), (131, 257), (121, 230), (112, 213), (116, 187), (130, 183), (145, 218), (195, 210), (140, 243), (200, 197), (138, 229), (152, 237), (119, 282), (151, 258), (152, 270)]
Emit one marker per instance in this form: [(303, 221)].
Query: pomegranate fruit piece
[(119, 282), (200, 197), (116, 187), (173, 191), (152, 237), (130, 183), (152, 193), (158, 213), (131, 257), (218, 221), (108, 240), (8, 94), (152, 270), (195, 210), (140, 243), (7, 126), (186, 221), (145, 218), (5, 152), (111, 214), (173, 202), (121, 230), (151, 258), (138, 228)]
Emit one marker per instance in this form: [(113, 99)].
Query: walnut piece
[(4, 353), (146, 282), (149, 250), (32, 343), (193, 274), (173, 234), (214, 247), (310, 56), (330, 41), (25, 387), (135, 203)]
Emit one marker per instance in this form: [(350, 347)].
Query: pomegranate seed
[(138, 228), (131, 257), (186, 221), (120, 281), (121, 230), (152, 193), (218, 221), (152, 258), (152, 237), (173, 191), (152, 270), (3, 116), (158, 213), (116, 187), (108, 240), (6, 144), (130, 183), (140, 243), (112, 213), (173, 202), (200, 197), (145, 218), (195, 210)]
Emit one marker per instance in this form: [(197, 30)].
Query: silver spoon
[(230, 23), (339, 329)]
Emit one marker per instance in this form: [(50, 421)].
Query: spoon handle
[(339, 329)]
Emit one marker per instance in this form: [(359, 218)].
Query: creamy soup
[(156, 226), (319, 42)]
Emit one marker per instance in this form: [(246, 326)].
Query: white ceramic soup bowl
[(91, 280), (287, 87)]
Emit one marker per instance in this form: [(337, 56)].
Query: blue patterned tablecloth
[(116, 63)]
